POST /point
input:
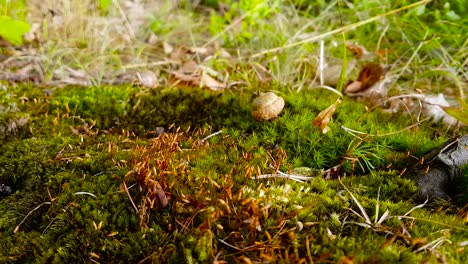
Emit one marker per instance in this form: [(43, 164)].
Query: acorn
[(267, 106)]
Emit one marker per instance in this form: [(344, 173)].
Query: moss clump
[(70, 204)]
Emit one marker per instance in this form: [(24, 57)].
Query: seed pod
[(267, 106)]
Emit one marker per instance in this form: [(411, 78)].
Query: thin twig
[(331, 89), (130, 197), (229, 245), (280, 174), (210, 136), (339, 30), (37, 207), (85, 193)]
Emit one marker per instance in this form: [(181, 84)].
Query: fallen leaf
[(200, 78), (353, 87), (189, 67), (370, 74), (358, 50), (324, 117)]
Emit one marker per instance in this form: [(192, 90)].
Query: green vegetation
[(70, 162), (94, 178)]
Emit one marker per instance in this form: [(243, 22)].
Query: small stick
[(229, 245), (210, 136), (280, 174), (130, 197), (86, 193), (39, 206)]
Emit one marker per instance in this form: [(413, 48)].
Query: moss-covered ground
[(94, 179)]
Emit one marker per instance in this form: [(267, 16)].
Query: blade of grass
[(339, 30)]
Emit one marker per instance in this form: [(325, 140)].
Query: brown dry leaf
[(358, 50), (370, 74), (189, 67), (324, 117), (199, 78), (361, 53)]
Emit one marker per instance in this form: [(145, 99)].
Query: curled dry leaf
[(194, 75), (371, 85), (361, 53), (324, 117), (370, 74)]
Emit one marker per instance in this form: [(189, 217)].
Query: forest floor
[(127, 135)]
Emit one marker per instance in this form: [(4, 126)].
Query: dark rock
[(4, 190), (438, 173)]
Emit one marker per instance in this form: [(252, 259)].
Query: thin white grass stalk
[(340, 30), (363, 211), (331, 89), (433, 244), (30, 212), (283, 175), (210, 136), (384, 217), (361, 224), (416, 207), (377, 206), (322, 61), (360, 216), (266, 176), (85, 193), (130, 197), (353, 132), (229, 245)]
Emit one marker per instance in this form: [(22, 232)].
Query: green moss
[(82, 144)]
